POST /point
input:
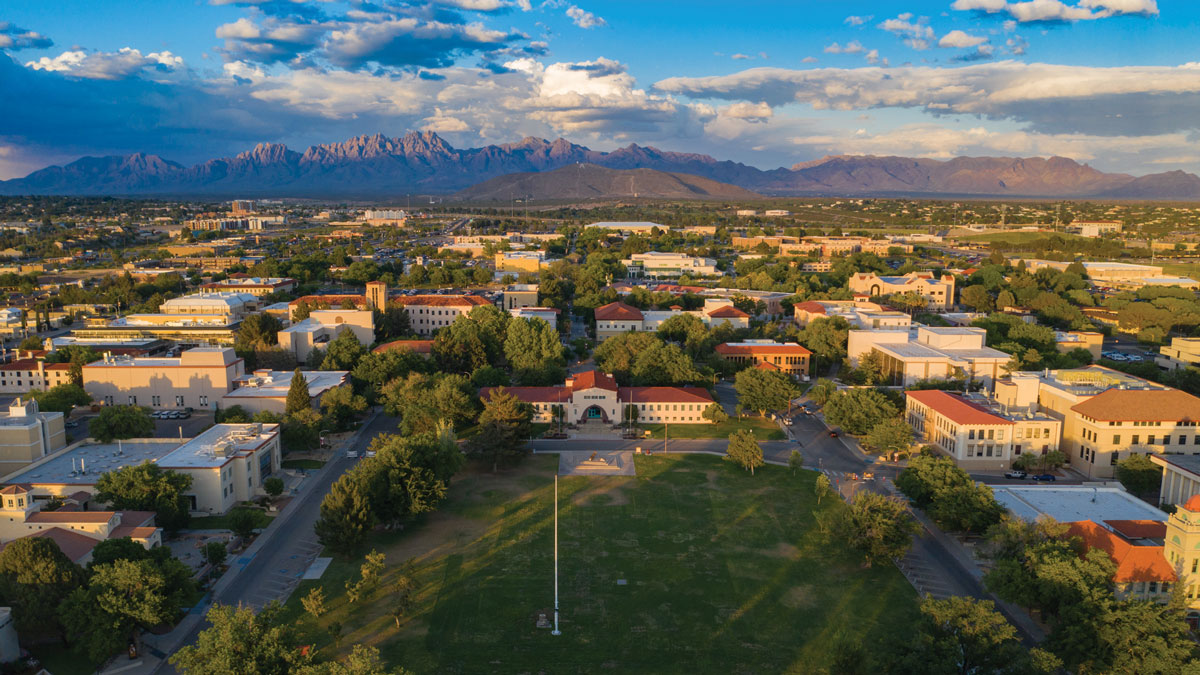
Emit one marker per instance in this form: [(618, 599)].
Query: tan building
[(198, 378), (978, 433), (1181, 353), (234, 306), (267, 390), (27, 435), (517, 296), (182, 329), (593, 396), (617, 317), (227, 462), (1180, 478), (859, 313), (937, 353), (1089, 341), (428, 313), (788, 358), (74, 530), (938, 293), (520, 262), (252, 285), (666, 264), (25, 375), (322, 326)]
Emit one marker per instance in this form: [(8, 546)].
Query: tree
[(978, 298), (881, 527), (240, 642), (343, 352), (30, 343), (437, 451), (346, 515), (826, 338), (795, 461), (314, 602), (421, 401), (148, 487), (534, 352), (823, 487), (61, 398), (821, 390), (504, 426), (121, 421), (927, 475), (243, 522), (392, 322), (298, 397), (1139, 475), (257, 331), (889, 436), (234, 414), (35, 577), (341, 404), (744, 450), (273, 486), (713, 413), (215, 553), (121, 596), (763, 390), (857, 411), (376, 369), (967, 508), (363, 660)]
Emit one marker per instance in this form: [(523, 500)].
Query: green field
[(1009, 237), (310, 464), (724, 573), (764, 429)]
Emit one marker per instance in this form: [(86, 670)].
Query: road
[(289, 547)]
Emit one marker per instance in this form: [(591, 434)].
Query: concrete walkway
[(584, 463)]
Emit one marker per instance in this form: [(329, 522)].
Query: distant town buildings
[(593, 396), (617, 317), (252, 285), (664, 264), (929, 353), (938, 293), (785, 357), (1119, 275)]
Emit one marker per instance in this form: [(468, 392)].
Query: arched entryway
[(875, 290), (594, 413)]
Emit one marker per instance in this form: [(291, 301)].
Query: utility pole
[(556, 631)]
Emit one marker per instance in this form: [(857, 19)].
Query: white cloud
[(118, 65), (808, 59), (1057, 10), (852, 47), (960, 40), (741, 57), (750, 112), (584, 19), (858, 20), (872, 58), (915, 33)]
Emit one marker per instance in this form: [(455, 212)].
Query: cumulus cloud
[(749, 112), (271, 41), (409, 42), (916, 34), (121, 64), (958, 39), (857, 20), (1129, 100), (584, 19), (741, 57), (852, 47), (1057, 10), (13, 38), (872, 58), (808, 59)]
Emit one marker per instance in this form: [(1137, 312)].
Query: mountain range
[(376, 167), (588, 181)]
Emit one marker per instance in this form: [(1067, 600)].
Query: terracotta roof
[(14, 490), (1139, 529), (618, 311), (1193, 504), (80, 496), (417, 346), (132, 532), (664, 395), (784, 349), (811, 306), (763, 365), (73, 545), (442, 300), (59, 366), (22, 364), (728, 312), (532, 394), (137, 518), (70, 517), (1141, 405), (955, 408), (1134, 563), (591, 379), (331, 300)]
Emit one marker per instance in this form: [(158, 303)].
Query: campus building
[(27, 434), (1128, 276), (24, 375), (593, 396), (666, 264), (519, 262), (938, 293), (1181, 353), (520, 295), (266, 390), (323, 326), (938, 353), (978, 433), (234, 306), (197, 378), (858, 313), (227, 462), (788, 358), (547, 314), (617, 317), (428, 313), (74, 530)]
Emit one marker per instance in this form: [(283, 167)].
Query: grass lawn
[(303, 464), (536, 429), (723, 572), (764, 429), (222, 522)]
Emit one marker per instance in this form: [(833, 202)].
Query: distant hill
[(588, 181), (377, 166)]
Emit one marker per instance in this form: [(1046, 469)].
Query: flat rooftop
[(1076, 502), (205, 451), (276, 384)]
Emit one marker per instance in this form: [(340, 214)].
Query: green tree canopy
[(148, 487), (241, 642), (890, 435), (61, 398), (504, 428), (343, 352), (763, 390), (744, 450), (1139, 475), (121, 421), (857, 411), (35, 577), (534, 352)]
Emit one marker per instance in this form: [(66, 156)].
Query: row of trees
[(955, 502)]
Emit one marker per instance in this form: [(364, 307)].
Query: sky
[(1113, 83)]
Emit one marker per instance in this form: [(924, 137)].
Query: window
[(203, 400), (1153, 587), (1182, 440), (1194, 561), (179, 401), (1150, 440), (1136, 439), (1116, 439), (154, 400), (1112, 459), (132, 400)]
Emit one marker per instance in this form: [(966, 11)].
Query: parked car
[(1045, 477), (352, 454), (1016, 474), (833, 433)]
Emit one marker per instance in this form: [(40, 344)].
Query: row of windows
[(156, 401)]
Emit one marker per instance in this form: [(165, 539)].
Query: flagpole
[(556, 631)]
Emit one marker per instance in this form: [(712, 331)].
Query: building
[(520, 262), (1094, 228), (632, 227), (130, 347), (428, 313), (859, 313), (937, 353), (938, 293), (664, 264), (1107, 415), (267, 390), (1119, 275), (24, 375), (395, 217), (75, 531), (27, 435), (376, 295), (776, 213), (788, 358), (235, 306), (829, 247), (322, 326), (187, 330), (227, 462), (197, 378), (1180, 479), (1144, 569), (252, 285), (617, 317), (547, 314), (242, 206), (743, 213), (520, 295), (1089, 341), (593, 396), (1074, 503), (976, 432), (1181, 353)]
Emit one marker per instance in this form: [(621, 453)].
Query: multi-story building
[(1094, 228), (520, 295), (27, 435), (617, 317), (183, 329), (859, 313), (828, 247), (1181, 353), (233, 305), (978, 433), (520, 262), (428, 313), (227, 463), (267, 390), (197, 378), (1119, 275), (593, 396), (929, 353), (24, 375), (547, 314), (938, 293), (1089, 341), (252, 285), (631, 227), (322, 326), (789, 358), (1107, 415), (665, 264), (74, 530)]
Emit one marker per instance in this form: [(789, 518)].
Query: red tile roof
[(442, 300), (664, 395), (21, 364), (73, 545), (417, 346), (132, 532), (1193, 504), (1134, 563), (783, 349), (591, 379), (531, 394), (1140, 405), (618, 311), (1139, 529), (811, 306), (17, 489), (728, 312), (955, 408), (763, 365), (70, 517)]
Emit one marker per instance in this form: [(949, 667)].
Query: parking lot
[(192, 426)]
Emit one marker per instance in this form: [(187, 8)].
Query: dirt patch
[(439, 535), (786, 550), (603, 492), (798, 597)]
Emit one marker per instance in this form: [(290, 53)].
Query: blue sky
[(1114, 83)]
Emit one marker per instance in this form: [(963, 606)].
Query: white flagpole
[(556, 631)]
